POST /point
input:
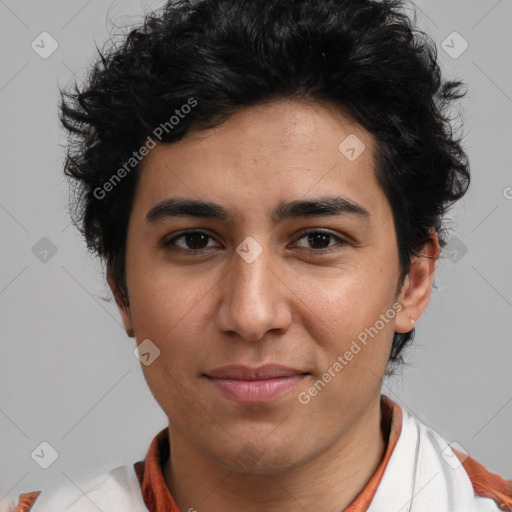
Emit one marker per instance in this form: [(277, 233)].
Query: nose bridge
[(252, 298), (250, 274)]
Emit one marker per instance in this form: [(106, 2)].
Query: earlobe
[(124, 309), (415, 293), (402, 322), (127, 321)]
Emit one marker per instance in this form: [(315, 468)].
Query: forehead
[(264, 155)]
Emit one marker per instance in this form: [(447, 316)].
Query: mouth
[(243, 384)]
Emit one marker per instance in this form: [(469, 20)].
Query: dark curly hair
[(363, 56)]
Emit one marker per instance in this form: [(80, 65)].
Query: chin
[(261, 458)]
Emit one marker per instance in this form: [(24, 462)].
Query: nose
[(255, 298)]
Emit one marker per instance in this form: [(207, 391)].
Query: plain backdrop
[(68, 375)]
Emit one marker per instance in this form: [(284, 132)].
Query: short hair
[(362, 56)]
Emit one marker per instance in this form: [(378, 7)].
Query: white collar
[(112, 491), (424, 475)]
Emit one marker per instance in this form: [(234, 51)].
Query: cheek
[(349, 301), (351, 316), (171, 313), (168, 312), (166, 304)]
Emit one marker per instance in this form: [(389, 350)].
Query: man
[(266, 182)]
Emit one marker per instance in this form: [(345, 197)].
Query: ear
[(124, 309), (415, 292)]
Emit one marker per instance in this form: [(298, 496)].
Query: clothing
[(418, 472)]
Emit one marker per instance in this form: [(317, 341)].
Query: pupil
[(194, 238), (319, 236)]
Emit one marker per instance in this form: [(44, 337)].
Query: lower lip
[(254, 391)]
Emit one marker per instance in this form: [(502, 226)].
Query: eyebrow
[(324, 206)]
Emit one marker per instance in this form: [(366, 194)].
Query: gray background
[(68, 375)]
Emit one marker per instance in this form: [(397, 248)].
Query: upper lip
[(267, 371)]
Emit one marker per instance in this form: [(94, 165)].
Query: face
[(261, 280)]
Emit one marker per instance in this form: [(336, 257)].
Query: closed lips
[(234, 372)]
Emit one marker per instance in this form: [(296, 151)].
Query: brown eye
[(190, 241), (319, 241)]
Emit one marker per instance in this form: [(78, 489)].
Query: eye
[(320, 240), (193, 242), (196, 242)]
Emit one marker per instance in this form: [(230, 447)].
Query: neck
[(329, 481)]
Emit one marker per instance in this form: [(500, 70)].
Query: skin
[(300, 303)]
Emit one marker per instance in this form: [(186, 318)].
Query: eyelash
[(194, 252)]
